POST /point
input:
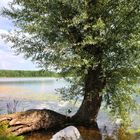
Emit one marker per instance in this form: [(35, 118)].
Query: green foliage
[(131, 131), (74, 36), (21, 73), (5, 135), (122, 134)]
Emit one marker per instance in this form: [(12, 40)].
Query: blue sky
[(8, 60)]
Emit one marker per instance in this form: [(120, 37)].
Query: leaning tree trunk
[(31, 120), (88, 111)]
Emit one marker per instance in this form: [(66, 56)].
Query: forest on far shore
[(25, 73)]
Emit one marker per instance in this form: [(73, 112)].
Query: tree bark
[(88, 111), (34, 119)]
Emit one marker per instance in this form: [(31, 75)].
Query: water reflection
[(68, 133), (82, 133)]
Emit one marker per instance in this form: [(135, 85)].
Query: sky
[(8, 60)]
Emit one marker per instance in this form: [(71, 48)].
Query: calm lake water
[(40, 93), (31, 93), (29, 88)]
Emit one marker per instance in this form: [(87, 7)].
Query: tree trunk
[(88, 111)]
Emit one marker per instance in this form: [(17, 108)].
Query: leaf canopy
[(75, 35)]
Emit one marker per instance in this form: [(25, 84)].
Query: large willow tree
[(96, 41)]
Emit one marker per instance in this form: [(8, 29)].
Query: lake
[(41, 93), (29, 88), (31, 93)]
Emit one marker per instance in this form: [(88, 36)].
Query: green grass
[(11, 138), (6, 135)]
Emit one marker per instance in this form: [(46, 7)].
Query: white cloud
[(2, 31), (10, 61), (7, 58), (4, 3)]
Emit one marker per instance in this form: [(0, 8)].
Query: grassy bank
[(22, 73), (6, 135)]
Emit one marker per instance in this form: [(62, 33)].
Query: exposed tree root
[(32, 120)]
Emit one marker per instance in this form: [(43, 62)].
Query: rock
[(68, 133)]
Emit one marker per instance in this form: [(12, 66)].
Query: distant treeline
[(22, 73)]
